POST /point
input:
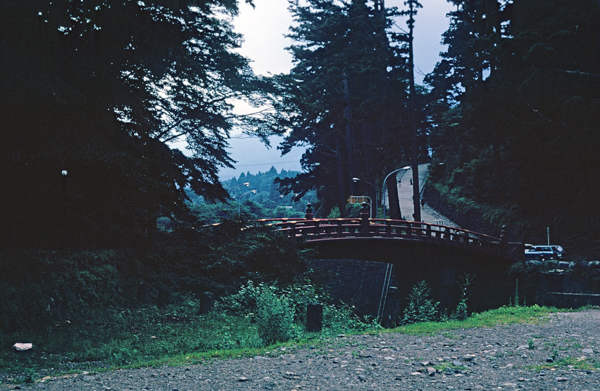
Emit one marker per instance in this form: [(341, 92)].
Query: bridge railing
[(318, 229), (364, 227)]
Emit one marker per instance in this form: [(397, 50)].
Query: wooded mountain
[(258, 200)]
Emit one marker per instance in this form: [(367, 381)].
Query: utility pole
[(349, 135), (411, 103)]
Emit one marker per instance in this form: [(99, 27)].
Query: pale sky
[(264, 27)]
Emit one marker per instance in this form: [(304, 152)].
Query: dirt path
[(475, 359)]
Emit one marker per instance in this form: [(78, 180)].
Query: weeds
[(247, 303), (461, 310), (107, 331), (420, 307)]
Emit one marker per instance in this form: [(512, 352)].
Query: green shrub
[(272, 309), (420, 307), (274, 316), (295, 298), (242, 303), (245, 301), (302, 295), (341, 319)]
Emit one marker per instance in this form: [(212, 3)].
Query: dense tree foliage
[(99, 90), (39, 290), (517, 104), (345, 98), (254, 196)]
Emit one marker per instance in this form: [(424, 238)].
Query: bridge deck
[(323, 230)]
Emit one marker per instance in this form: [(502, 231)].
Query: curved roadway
[(405, 195)]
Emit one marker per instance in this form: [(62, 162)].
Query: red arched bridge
[(374, 235), (412, 251)]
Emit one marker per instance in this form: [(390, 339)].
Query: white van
[(538, 252)]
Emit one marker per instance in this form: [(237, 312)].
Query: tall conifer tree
[(345, 98), (516, 99)]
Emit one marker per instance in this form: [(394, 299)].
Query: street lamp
[(64, 179), (374, 188), (240, 199), (384, 182), (243, 184)]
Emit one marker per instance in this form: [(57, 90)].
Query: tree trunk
[(394, 202)]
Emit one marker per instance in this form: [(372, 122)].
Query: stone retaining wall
[(354, 282)]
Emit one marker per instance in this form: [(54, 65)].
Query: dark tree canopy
[(102, 89), (345, 98), (517, 98)]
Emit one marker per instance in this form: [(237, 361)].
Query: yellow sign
[(359, 199)]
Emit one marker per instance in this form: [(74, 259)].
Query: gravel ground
[(475, 359)]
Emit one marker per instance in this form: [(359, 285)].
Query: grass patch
[(499, 317), (172, 335), (580, 363), (129, 338), (446, 367)]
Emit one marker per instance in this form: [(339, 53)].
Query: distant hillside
[(259, 199)]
